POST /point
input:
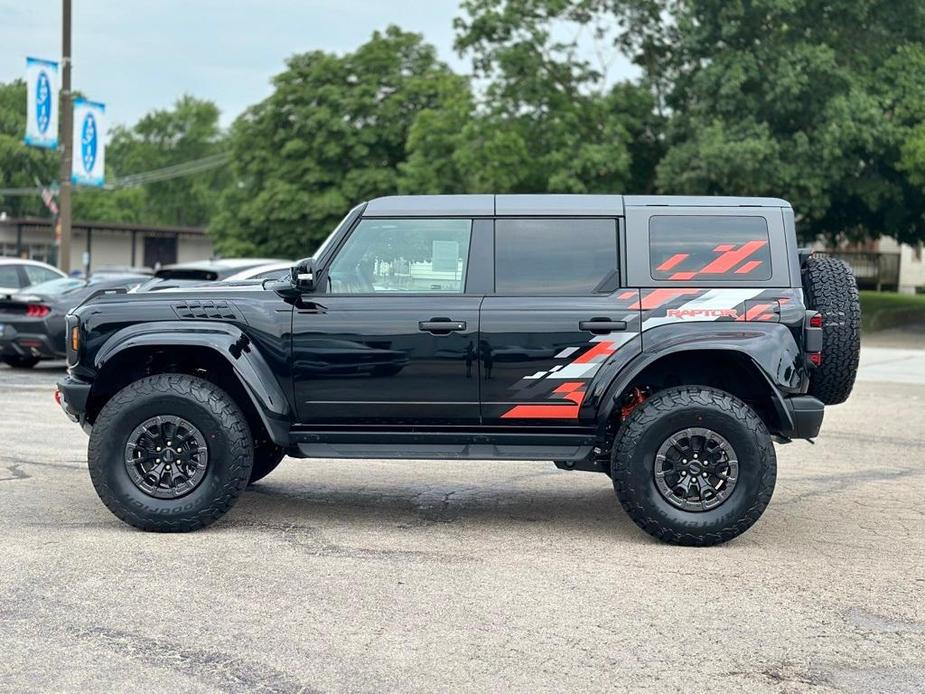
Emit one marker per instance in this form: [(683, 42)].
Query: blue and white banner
[(41, 103), (89, 162)]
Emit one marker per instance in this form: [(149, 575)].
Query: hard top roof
[(546, 204)]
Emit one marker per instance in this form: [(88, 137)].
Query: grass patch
[(883, 310)]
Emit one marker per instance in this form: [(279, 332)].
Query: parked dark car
[(32, 320), (200, 272), (667, 342)]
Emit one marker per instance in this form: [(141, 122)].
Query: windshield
[(61, 285)]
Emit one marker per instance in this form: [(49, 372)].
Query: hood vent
[(208, 310)]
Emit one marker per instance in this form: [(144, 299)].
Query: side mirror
[(301, 279), (303, 275)]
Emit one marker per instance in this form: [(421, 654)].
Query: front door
[(557, 324), (392, 336)]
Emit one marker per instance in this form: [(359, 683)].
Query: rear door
[(557, 322)]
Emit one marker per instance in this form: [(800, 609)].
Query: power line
[(170, 172), (166, 173)]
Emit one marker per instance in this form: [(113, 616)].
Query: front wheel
[(694, 466), (170, 453)]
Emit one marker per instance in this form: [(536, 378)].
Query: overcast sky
[(137, 55)]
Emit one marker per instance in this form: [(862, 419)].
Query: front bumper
[(72, 396)]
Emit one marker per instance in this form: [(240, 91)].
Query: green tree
[(817, 102), (333, 133), (20, 165), (550, 120), (807, 100), (189, 131)]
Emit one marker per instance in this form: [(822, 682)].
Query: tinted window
[(403, 255), (688, 247), (36, 274), (554, 256)]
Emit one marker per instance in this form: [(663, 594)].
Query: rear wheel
[(20, 362), (694, 466), (832, 290), (170, 453)]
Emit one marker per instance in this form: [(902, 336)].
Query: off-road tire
[(832, 290), (267, 456), (18, 362), (664, 414), (212, 411)]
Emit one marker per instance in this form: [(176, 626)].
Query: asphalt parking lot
[(423, 576)]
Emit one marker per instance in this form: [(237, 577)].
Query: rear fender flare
[(769, 348), (226, 340)]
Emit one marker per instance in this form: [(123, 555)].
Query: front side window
[(709, 247), (555, 256), (403, 255)]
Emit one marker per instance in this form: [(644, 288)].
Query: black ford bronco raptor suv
[(664, 341)]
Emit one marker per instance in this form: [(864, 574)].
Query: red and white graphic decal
[(567, 383), (732, 260)]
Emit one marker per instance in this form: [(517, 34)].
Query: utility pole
[(66, 138)]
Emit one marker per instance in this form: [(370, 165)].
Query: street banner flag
[(88, 162), (41, 103)]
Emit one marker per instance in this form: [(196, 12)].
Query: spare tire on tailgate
[(832, 290)]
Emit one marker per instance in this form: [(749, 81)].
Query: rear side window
[(555, 256), (709, 247)]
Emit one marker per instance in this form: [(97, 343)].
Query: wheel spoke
[(697, 461), (161, 442)]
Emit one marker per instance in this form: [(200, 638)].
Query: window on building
[(709, 247), (555, 256)]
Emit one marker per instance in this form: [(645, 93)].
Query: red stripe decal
[(568, 387), (672, 261), (748, 267), (729, 259), (723, 248), (599, 349), (576, 397), (683, 276), (657, 297), (542, 412), (756, 311)]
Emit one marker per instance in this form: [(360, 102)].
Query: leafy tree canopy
[(821, 103), (333, 133)]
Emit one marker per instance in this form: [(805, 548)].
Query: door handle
[(601, 326), (441, 326)]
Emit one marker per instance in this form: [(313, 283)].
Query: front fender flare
[(224, 339)]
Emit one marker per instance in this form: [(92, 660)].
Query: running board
[(443, 446)]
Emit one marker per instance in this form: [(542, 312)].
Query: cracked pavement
[(425, 576)]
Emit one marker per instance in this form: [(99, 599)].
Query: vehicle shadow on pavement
[(504, 502)]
